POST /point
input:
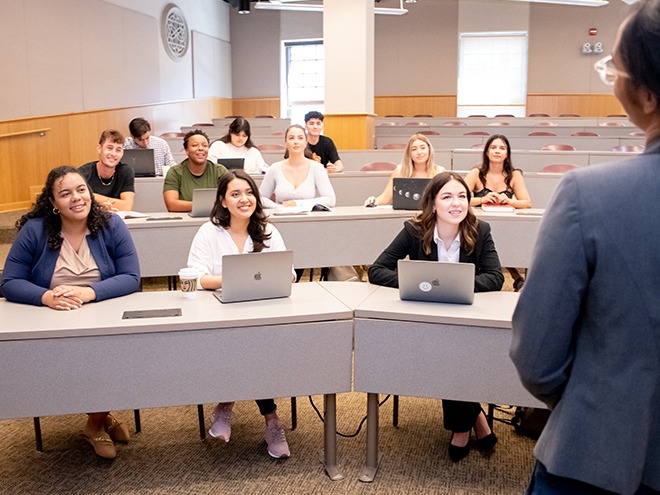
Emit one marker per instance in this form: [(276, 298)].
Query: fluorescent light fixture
[(577, 3), (306, 7)]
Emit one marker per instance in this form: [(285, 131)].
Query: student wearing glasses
[(586, 330)]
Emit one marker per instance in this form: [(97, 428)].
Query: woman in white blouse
[(237, 143), (296, 180), (238, 225)]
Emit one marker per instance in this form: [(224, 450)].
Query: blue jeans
[(544, 483)]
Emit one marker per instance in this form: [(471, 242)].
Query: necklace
[(109, 181)]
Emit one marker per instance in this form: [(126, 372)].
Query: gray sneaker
[(221, 421), (276, 440)]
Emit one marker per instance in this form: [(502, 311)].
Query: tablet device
[(436, 281)]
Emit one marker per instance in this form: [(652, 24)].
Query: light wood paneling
[(584, 105), (25, 160), (409, 105), (350, 132), (251, 107)]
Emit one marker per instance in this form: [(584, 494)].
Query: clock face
[(174, 31)]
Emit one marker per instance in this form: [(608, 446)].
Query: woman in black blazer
[(447, 230)]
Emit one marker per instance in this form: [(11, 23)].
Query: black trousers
[(266, 406), (460, 416)]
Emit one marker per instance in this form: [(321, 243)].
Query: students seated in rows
[(417, 162), (70, 251), (322, 147), (297, 180), (195, 172), (447, 230), (237, 143), (238, 225), (496, 182), (112, 182), (141, 138)]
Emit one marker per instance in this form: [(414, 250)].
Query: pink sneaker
[(276, 440), (221, 421)]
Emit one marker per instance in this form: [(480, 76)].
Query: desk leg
[(373, 459), (329, 457)]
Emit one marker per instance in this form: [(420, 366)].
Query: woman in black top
[(447, 230)]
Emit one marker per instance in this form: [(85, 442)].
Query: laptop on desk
[(436, 281), (232, 163), (407, 193), (142, 161), (202, 202), (256, 276)]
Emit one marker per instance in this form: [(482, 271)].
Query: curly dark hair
[(508, 166), (425, 221), (97, 219), (258, 221)]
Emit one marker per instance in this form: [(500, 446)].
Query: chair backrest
[(169, 135), (232, 116), (377, 166), (423, 116), (476, 116), (638, 134), (558, 147), (393, 146), (477, 146), (264, 116), (541, 133), (384, 124), (498, 123), (545, 124), (454, 123), (429, 133), (538, 115), (617, 115), (271, 147), (585, 133), (504, 115), (558, 168), (476, 133), (568, 115), (629, 148), (203, 124), (392, 115), (414, 124), (611, 124)]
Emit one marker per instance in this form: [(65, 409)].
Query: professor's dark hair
[(258, 221), (638, 46), (97, 219), (425, 221)]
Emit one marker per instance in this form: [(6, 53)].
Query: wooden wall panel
[(350, 132), (25, 160), (584, 105), (435, 105), (251, 107)]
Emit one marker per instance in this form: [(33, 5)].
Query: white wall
[(75, 55)]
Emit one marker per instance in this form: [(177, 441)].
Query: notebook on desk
[(407, 193), (436, 281), (142, 161), (232, 163), (202, 202), (255, 276)]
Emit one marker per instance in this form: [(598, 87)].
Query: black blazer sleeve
[(383, 271), (488, 273)]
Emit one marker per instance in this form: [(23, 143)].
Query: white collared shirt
[(453, 253)]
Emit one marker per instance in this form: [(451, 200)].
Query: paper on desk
[(292, 210), (130, 214)]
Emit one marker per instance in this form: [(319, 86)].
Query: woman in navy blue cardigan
[(447, 230), (69, 251)]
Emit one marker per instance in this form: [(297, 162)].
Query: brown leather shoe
[(103, 446), (117, 430)]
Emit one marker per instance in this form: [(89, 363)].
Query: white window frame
[(291, 107)]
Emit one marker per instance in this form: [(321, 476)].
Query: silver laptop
[(232, 163), (254, 276), (407, 193), (142, 161), (436, 281), (202, 202)]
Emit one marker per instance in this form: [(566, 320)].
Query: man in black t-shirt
[(322, 147), (112, 182)]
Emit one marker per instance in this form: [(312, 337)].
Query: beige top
[(75, 268)]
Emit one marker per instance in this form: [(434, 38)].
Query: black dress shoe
[(487, 443), (457, 453)]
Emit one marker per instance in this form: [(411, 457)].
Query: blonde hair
[(407, 167)]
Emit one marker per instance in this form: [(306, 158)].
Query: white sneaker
[(276, 440), (221, 421)]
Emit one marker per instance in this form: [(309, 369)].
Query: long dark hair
[(239, 124), (307, 152), (425, 221), (97, 219), (258, 221), (508, 166)]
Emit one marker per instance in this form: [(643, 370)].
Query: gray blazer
[(586, 331)]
